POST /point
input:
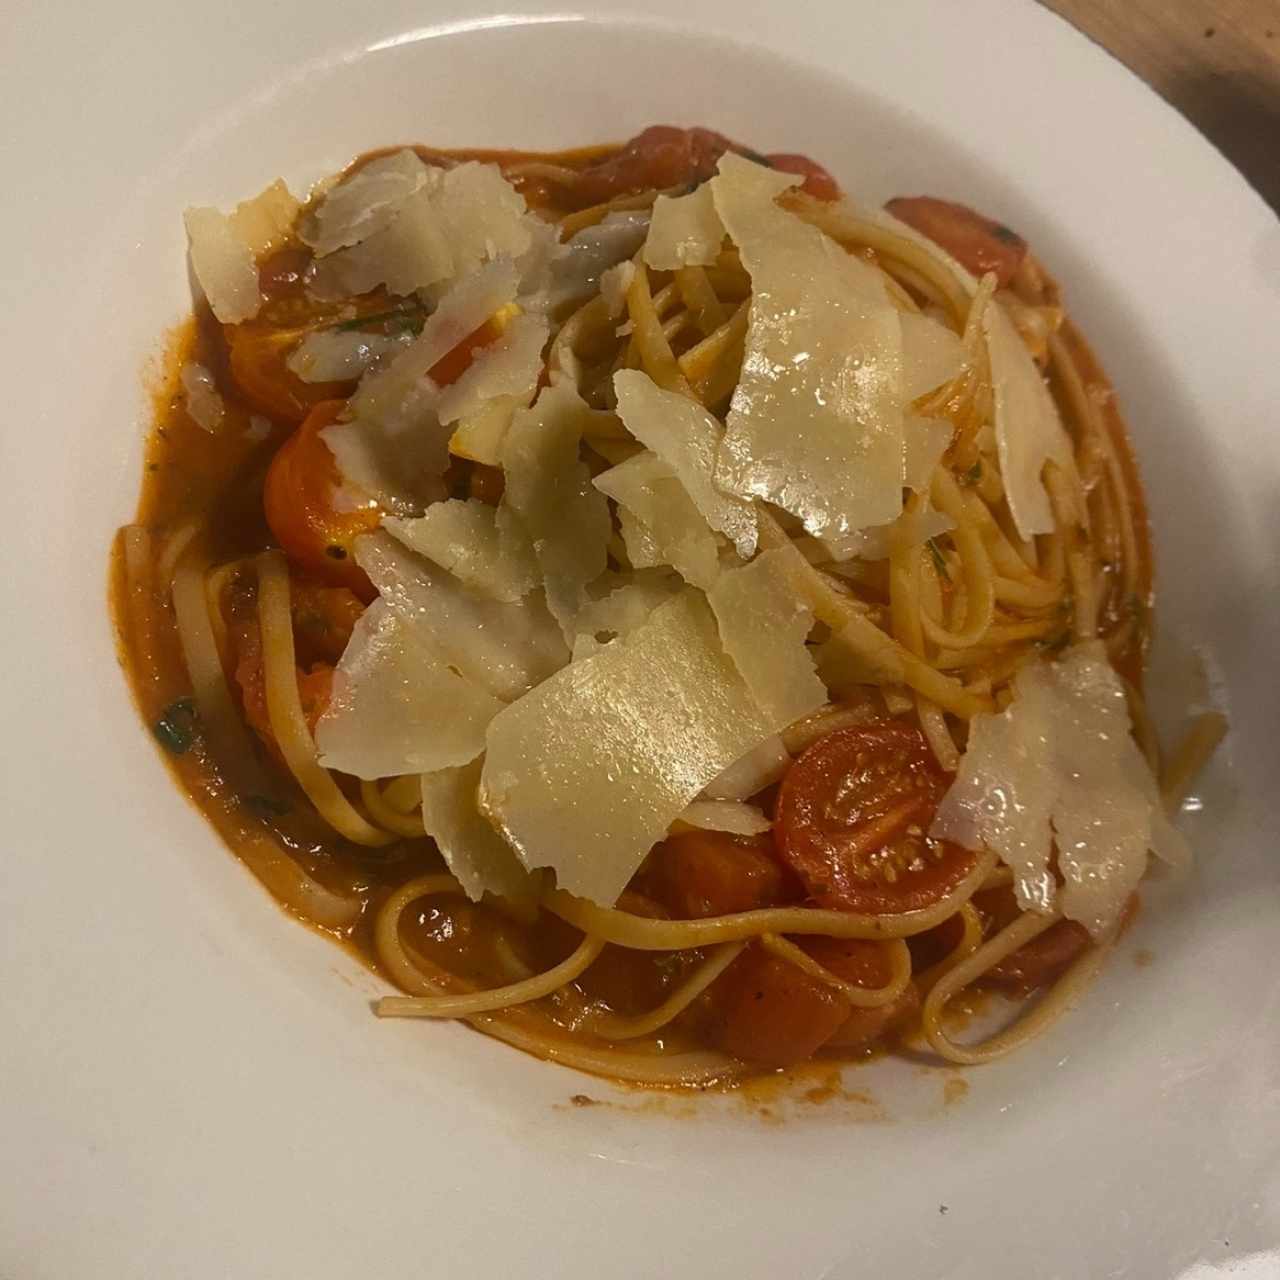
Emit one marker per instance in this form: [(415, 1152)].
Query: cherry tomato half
[(975, 241), (852, 819)]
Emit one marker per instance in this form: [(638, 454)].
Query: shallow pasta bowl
[(194, 1085)]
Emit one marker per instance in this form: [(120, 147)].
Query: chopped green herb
[(266, 806), (973, 475), (405, 319), (939, 560), (176, 727)]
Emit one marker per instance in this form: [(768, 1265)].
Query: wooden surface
[(1217, 61)]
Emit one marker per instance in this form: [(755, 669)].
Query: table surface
[(1216, 61)]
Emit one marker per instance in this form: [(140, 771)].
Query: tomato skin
[(1044, 959), (771, 1013), (817, 181), (298, 498), (975, 241), (663, 156), (712, 873), (852, 817)]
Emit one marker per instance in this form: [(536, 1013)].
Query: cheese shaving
[(763, 628), (815, 423), (686, 437), (931, 354), (330, 355), (223, 264), (365, 203), (508, 367), (263, 222), (667, 712), (505, 647), (660, 524), (397, 707), (1029, 431), (480, 859), (685, 231), (548, 488), (726, 815), (1060, 762), (483, 546)]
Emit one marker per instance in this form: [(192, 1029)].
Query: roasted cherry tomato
[(712, 873), (852, 818), (976, 242), (302, 508), (664, 156), (768, 1011), (817, 181)]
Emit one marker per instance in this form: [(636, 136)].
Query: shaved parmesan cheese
[(480, 859), (627, 606), (910, 529), (614, 284), (396, 707), (925, 441), (726, 815), (660, 524), (410, 252), (366, 202), (761, 767), (461, 312), (479, 435), (506, 648), (763, 628), (330, 355), (859, 654), (685, 231), (1029, 432), (224, 265), (482, 216), (579, 265), (396, 465), (931, 354), (479, 544), (266, 219), (205, 406), (548, 488), (1061, 762), (815, 423), (507, 367), (685, 436), (440, 227), (586, 773)]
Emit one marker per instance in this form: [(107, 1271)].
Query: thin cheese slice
[(1060, 762), (506, 648), (926, 440), (578, 266), (626, 605), (397, 707), (482, 216), (478, 856), (479, 436), (508, 367), (726, 815), (815, 423), (586, 773), (763, 628), (471, 302), (548, 489), (685, 436), (483, 546), (330, 355), (265, 221), (366, 202), (409, 253), (685, 231), (1029, 431), (910, 529), (761, 767), (223, 264), (660, 524), (931, 354)]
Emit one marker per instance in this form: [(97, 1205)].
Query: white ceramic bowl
[(191, 1085)]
